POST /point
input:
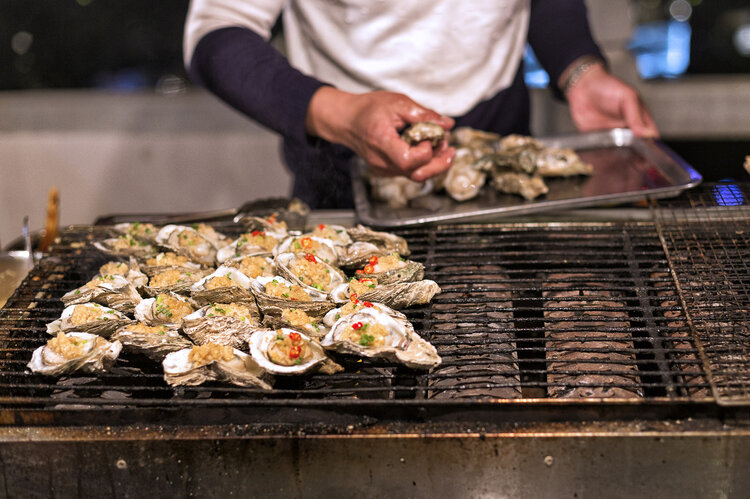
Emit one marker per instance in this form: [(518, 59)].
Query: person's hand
[(600, 101), (369, 124)]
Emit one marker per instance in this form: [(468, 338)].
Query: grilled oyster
[(253, 266), (396, 295), (126, 245), (113, 291), (174, 279), (130, 271), (225, 284), (270, 225), (274, 294), (168, 260), (312, 273), (392, 268), (299, 320), (140, 231), (75, 351), (337, 234), (319, 247), (380, 332), (166, 308), (287, 352), (212, 362), (188, 242), (222, 323), (384, 240), (216, 238), (89, 318), (255, 242), (153, 341), (424, 130)]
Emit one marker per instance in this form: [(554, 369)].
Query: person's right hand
[(369, 124)]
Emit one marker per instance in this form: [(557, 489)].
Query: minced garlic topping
[(83, 314), (281, 290), (171, 309), (168, 258), (114, 268), (236, 310), (210, 352), (189, 238), (295, 317), (254, 266), (222, 281), (393, 261), (256, 239), (366, 334), (67, 347), (362, 285), (312, 272), (289, 350), (139, 327), (167, 278), (100, 279)]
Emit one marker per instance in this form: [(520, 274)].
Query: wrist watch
[(577, 69)]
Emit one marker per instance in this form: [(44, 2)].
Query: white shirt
[(447, 55)]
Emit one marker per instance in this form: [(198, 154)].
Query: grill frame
[(241, 405)]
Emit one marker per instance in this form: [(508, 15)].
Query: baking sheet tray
[(626, 169)]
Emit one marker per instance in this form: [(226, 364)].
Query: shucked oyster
[(274, 294), (166, 308), (286, 351), (392, 268), (130, 271), (255, 242), (139, 231), (113, 291), (212, 362), (168, 260), (398, 191), (66, 353), (478, 140), (174, 279), (253, 266), (270, 225), (424, 130), (464, 179), (396, 295), (310, 272), (126, 245), (318, 246), (380, 332), (299, 320), (368, 243), (89, 318), (153, 341), (225, 284), (222, 323), (188, 242), (216, 238)]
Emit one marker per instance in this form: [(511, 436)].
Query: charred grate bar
[(706, 236), (610, 333)]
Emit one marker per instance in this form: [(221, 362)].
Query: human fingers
[(439, 163), (413, 112), (637, 117), (399, 156)]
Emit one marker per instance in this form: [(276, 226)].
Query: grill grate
[(706, 236)]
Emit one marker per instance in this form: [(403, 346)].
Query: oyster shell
[(225, 285), (424, 130), (464, 180), (216, 238), (188, 242), (89, 318), (74, 351), (384, 240), (530, 187), (222, 323), (477, 140), (153, 341), (269, 293), (558, 162), (255, 242), (310, 272), (380, 332), (398, 191), (270, 225), (113, 291), (299, 320), (166, 308), (289, 352), (174, 279), (391, 269), (321, 247), (167, 260), (211, 362), (396, 295), (130, 271), (126, 245)]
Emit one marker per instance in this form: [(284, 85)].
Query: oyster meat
[(476, 140), (561, 163), (397, 191), (530, 187), (188, 242), (212, 362), (222, 323), (297, 319), (424, 130), (396, 295), (168, 260), (153, 341), (225, 284), (130, 271), (75, 351), (255, 242), (89, 318), (380, 332), (253, 266), (318, 246), (289, 352), (464, 179), (274, 294), (309, 271), (174, 279), (392, 268), (113, 291), (166, 308), (126, 245), (368, 243)]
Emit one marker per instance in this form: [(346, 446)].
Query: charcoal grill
[(547, 329)]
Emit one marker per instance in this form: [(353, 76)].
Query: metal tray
[(626, 169)]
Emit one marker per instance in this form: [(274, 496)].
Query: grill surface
[(531, 315)]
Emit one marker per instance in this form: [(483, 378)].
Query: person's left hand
[(601, 101)]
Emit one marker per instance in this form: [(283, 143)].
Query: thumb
[(414, 113)]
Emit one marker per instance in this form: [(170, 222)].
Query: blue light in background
[(662, 49), (534, 75), (728, 195)]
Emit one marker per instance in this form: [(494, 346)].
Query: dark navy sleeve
[(559, 33), (246, 72)]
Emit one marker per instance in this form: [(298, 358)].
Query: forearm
[(247, 73)]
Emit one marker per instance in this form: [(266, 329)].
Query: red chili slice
[(258, 233), (367, 304), (357, 325), (295, 352), (373, 260), (306, 242), (295, 337), (369, 269), (353, 298), (310, 257)]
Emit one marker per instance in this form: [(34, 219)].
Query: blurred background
[(94, 99)]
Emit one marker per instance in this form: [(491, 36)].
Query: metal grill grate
[(543, 312), (706, 235)]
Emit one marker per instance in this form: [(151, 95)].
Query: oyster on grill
[(319, 247), (391, 269), (126, 245), (130, 271), (255, 242), (74, 351), (222, 323), (253, 266), (188, 242), (168, 260), (288, 352), (212, 362), (310, 272), (155, 342), (380, 332), (174, 279), (270, 225), (140, 231), (89, 318), (396, 295), (225, 284), (113, 291), (274, 294), (166, 308), (299, 320), (368, 243), (216, 238), (424, 130)]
